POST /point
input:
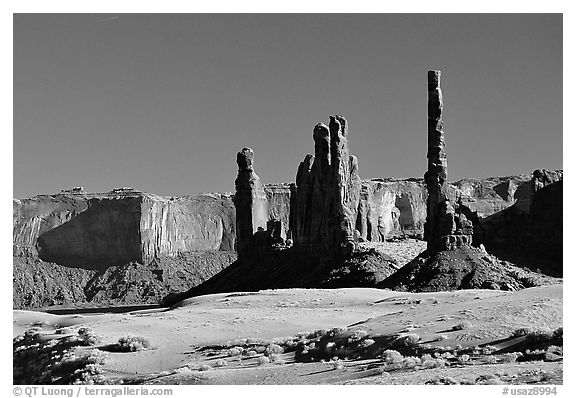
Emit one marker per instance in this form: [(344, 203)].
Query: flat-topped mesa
[(445, 228), (250, 201), (327, 194)]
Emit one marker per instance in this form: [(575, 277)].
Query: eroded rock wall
[(169, 226), (106, 233), (34, 216), (387, 208), (99, 230), (327, 193), (390, 208)]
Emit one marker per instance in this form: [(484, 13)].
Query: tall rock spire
[(327, 193), (445, 227), (250, 201)]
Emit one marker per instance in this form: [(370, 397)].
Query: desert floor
[(193, 333)]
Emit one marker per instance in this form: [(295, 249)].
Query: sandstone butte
[(102, 229), (329, 209)]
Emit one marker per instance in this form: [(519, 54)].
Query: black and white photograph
[(245, 198)]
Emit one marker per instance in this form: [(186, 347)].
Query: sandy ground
[(177, 334)]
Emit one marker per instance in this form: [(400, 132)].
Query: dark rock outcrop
[(463, 268), (293, 268), (250, 201), (327, 194), (39, 284), (530, 231)]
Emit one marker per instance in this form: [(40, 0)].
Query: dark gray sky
[(163, 102)]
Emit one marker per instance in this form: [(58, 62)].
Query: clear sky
[(162, 102)]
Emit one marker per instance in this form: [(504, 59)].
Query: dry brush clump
[(40, 358), (131, 344), (404, 351), (539, 344)]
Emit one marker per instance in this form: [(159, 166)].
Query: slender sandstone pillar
[(436, 175), (250, 201), (446, 228)]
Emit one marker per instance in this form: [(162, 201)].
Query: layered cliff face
[(99, 230), (33, 217), (279, 203), (529, 231), (190, 223), (104, 229), (390, 208)]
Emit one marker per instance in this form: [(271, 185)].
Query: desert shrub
[(411, 362), (84, 367), (520, 332), (366, 343), (204, 367), (490, 360), (132, 343), (277, 359), (37, 360), (429, 362), (488, 350), (462, 325), (256, 341), (464, 358), (337, 364), (88, 337), (540, 336), (274, 349), (317, 333), (237, 342), (558, 333), (337, 331), (219, 363), (183, 369), (235, 351), (408, 340), (445, 380), (282, 340), (510, 357), (330, 346), (260, 349), (488, 379), (291, 344), (392, 356), (440, 337), (553, 354), (357, 335), (263, 360), (65, 330), (251, 353)]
